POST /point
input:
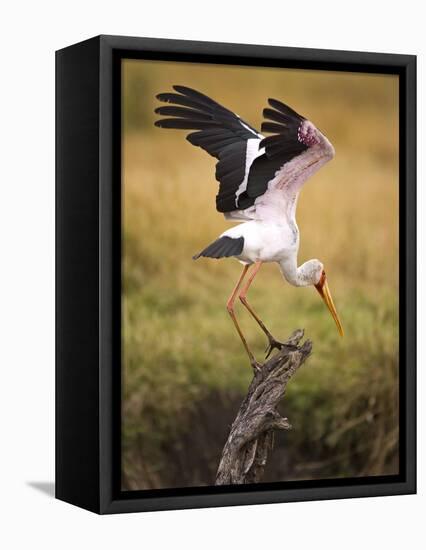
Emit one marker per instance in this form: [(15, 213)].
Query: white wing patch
[(252, 130), (252, 152)]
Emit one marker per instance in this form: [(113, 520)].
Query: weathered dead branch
[(245, 453)]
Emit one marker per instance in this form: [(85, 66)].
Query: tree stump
[(245, 453)]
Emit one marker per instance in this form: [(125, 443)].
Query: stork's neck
[(298, 276)]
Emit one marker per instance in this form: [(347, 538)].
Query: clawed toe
[(275, 344), (255, 365)]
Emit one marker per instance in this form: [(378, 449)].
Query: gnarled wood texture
[(245, 453)]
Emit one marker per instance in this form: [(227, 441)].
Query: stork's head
[(311, 273), (314, 275)]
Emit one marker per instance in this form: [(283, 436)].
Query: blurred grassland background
[(184, 368)]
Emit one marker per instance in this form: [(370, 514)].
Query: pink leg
[(230, 308), (272, 342)]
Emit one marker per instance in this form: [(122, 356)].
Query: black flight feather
[(285, 109), (184, 124), (273, 127), (224, 247), (182, 112), (224, 135), (200, 98), (276, 116), (178, 99)]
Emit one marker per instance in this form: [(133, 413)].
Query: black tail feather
[(224, 247)]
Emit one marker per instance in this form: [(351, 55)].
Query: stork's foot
[(275, 344), (256, 365)]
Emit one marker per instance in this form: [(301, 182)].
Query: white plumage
[(259, 184)]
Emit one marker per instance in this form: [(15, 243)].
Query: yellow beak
[(325, 294)]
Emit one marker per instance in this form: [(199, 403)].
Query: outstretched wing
[(280, 148), (218, 131), (251, 167), (294, 152)]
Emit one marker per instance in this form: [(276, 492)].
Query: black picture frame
[(88, 304)]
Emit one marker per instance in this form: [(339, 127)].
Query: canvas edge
[(76, 275), (103, 448)]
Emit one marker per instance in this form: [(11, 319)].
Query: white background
[(29, 34)]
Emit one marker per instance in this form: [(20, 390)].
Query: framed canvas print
[(235, 290)]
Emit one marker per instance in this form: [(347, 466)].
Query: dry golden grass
[(178, 341)]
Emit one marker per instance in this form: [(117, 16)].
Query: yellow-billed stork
[(259, 183)]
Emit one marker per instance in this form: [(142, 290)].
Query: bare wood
[(250, 440)]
